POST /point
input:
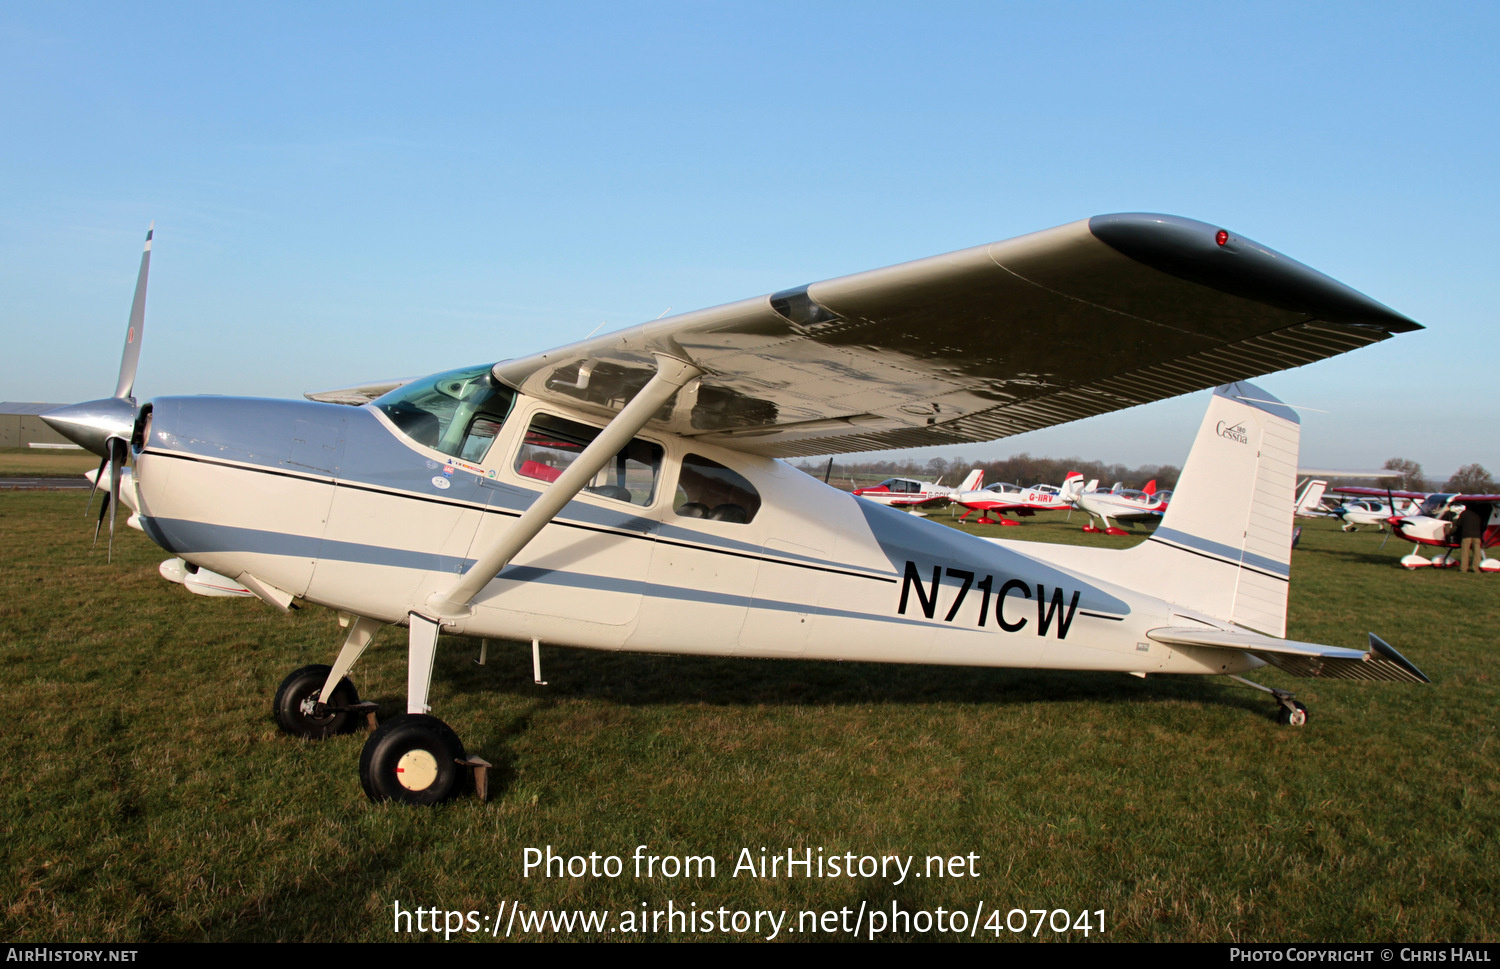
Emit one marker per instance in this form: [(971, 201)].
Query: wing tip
[(1214, 257), (1388, 652)]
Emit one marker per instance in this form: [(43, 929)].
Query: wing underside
[(978, 344)]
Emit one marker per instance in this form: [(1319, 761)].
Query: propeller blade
[(116, 460), (99, 522), (94, 486), (132, 355)]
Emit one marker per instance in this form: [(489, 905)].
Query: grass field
[(26, 462), (149, 795)]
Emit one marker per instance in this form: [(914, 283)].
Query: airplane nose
[(92, 423)]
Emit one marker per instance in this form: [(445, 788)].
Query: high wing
[(1382, 492), (978, 344), (1452, 498)]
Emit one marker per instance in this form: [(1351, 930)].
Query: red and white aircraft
[(1126, 504), (1004, 498), (911, 494), (1433, 524)]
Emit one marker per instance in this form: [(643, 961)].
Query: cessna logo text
[(1235, 433), (1050, 611)]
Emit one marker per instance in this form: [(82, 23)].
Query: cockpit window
[(552, 444), (458, 413)]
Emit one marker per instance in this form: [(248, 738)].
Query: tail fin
[(973, 481), (1224, 546), (1311, 500), (1072, 486), (1150, 488)]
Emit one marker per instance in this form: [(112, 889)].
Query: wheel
[(297, 712), (412, 758), (1295, 717)]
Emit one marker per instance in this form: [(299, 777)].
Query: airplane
[(911, 494), (1003, 498), (1126, 504), (1371, 511), (625, 492), (1429, 521)]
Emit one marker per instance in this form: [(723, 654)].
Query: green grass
[(25, 462), (148, 795)]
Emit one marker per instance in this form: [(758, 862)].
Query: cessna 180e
[(623, 492)]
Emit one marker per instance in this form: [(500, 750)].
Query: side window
[(707, 489), (552, 444)]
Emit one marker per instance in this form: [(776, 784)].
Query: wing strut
[(671, 375)]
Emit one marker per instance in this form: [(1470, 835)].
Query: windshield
[(458, 412)]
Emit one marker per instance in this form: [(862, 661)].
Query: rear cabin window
[(552, 444), (458, 413), (707, 489)]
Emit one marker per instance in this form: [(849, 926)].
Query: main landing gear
[(1291, 713), (413, 758)]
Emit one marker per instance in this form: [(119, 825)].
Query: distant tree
[(937, 467), (1411, 475), (1471, 479)]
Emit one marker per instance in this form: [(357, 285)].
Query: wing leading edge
[(978, 344)]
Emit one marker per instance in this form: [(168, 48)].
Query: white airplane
[(624, 492), (1126, 504), (911, 494), (1430, 519), (1004, 498)]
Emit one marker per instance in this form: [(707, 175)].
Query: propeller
[(104, 426)]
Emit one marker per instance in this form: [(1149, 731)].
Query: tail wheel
[(412, 758), (1292, 716), (300, 713)]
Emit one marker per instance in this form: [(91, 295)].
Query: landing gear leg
[(1291, 713)]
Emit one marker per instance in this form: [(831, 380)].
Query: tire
[(300, 686), (412, 758), (1292, 718)]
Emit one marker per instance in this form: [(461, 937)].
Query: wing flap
[(1381, 662)]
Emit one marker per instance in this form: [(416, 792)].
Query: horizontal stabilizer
[(1382, 662)]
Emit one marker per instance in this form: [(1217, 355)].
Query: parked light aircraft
[(1126, 504), (623, 492), (1431, 522), (911, 494), (1004, 498)]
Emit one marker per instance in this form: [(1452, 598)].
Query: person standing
[(1470, 531)]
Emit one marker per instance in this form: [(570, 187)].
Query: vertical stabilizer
[(1224, 546), (1310, 502)]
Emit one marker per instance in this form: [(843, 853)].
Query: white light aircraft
[(1004, 498), (1125, 504), (624, 492), (911, 494)]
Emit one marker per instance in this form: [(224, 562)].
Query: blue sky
[(352, 192)]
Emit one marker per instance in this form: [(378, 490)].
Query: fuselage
[(350, 508)]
